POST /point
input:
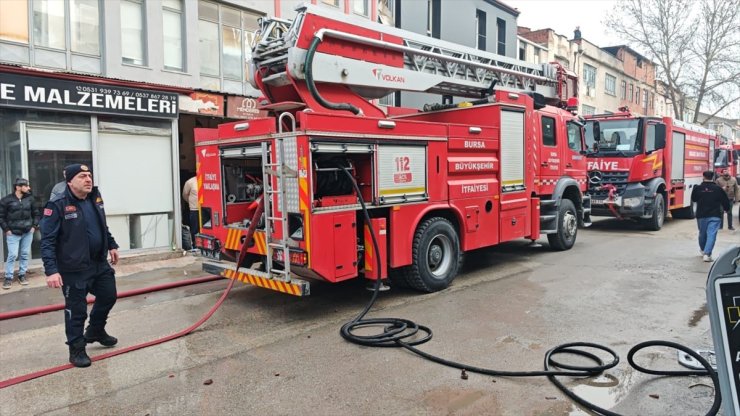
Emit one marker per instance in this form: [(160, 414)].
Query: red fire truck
[(641, 167), (435, 183), (727, 156)]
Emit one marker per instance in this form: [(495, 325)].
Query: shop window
[(172, 25), (14, 21), (133, 32)]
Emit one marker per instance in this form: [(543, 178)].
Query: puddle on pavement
[(604, 391), (697, 315)]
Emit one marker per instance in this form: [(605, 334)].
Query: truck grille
[(598, 178)]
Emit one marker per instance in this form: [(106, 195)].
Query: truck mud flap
[(295, 287)]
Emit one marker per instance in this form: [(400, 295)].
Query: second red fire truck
[(642, 167), (331, 169)]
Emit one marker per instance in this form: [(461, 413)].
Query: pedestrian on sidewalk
[(728, 184), (19, 219), (710, 201), (75, 242), (190, 194)]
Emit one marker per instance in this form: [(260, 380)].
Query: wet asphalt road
[(272, 354)]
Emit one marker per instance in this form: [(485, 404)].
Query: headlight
[(632, 202)]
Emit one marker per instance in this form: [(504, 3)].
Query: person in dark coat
[(711, 202), (19, 219), (75, 243)]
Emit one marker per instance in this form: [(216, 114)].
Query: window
[(480, 19), (501, 37), (610, 84), (132, 32), (48, 24), (232, 43), (631, 92), (589, 75), (574, 137), (334, 3), (225, 37), (361, 7), (587, 110), (434, 18), (85, 26), (650, 138), (637, 95), (522, 54), (624, 89), (14, 21), (645, 99), (173, 35), (548, 131), (387, 12)]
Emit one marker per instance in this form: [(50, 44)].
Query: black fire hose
[(312, 85), (403, 333)]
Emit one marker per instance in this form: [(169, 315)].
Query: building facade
[(609, 78)]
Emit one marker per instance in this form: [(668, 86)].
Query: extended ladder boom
[(375, 60)]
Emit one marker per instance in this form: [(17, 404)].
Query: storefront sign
[(243, 107), (202, 103), (63, 95)]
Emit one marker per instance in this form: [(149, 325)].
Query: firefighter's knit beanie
[(73, 170)]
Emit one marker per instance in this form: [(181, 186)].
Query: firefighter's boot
[(93, 334), (77, 354)]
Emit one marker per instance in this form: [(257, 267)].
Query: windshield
[(620, 136), (721, 158)]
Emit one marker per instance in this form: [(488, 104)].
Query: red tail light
[(299, 258)]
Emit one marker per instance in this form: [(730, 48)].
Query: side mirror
[(596, 129), (659, 136)]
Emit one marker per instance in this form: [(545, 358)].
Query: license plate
[(597, 201)]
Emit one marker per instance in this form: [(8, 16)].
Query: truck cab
[(727, 157)]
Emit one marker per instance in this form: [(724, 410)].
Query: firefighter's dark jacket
[(64, 243), (18, 215)]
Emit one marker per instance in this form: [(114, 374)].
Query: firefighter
[(75, 242)]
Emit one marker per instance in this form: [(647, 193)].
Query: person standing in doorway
[(59, 189), (19, 219), (710, 201), (729, 185), (75, 242), (190, 194)]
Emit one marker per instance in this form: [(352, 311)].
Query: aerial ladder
[(322, 54)]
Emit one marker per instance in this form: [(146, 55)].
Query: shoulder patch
[(48, 212)]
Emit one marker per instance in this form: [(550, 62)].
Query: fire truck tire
[(565, 237), (436, 256), (655, 222)]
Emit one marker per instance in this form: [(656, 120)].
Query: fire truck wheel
[(655, 222), (436, 256), (565, 237)]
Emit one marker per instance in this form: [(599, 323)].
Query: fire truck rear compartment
[(242, 182)]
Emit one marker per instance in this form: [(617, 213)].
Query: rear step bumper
[(295, 287)]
